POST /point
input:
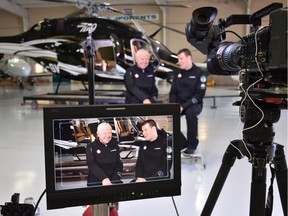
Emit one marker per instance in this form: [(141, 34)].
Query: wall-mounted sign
[(141, 16)]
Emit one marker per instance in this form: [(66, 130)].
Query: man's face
[(148, 132), (105, 134), (184, 61), (142, 60)]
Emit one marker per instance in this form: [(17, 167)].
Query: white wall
[(10, 24)]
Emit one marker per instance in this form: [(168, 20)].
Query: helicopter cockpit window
[(137, 44), (36, 28), (162, 51), (105, 58)]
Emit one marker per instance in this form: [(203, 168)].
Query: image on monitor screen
[(109, 153)]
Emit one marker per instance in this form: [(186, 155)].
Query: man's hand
[(146, 101), (106, 181), (140, 179)]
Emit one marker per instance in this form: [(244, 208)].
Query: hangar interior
[(219, 123)]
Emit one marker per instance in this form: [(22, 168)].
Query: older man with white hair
[(139, 80), (103, 158)]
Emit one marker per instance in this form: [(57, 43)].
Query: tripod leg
[(227, 162), (281, 176), (258, 185)]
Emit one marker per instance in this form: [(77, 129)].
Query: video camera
[(260, 57), (14, 208)]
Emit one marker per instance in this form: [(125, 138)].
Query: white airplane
[(15, 66)]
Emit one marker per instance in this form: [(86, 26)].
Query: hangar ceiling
[(46, 3), (19, 7)]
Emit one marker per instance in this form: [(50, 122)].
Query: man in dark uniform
[(103, 158), (139, 80), (152, 157), (188, 89)]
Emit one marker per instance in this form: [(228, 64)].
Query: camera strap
[(269, 203)]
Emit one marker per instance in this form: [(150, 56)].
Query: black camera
[(260, 59), (260, 56), (14, 208)]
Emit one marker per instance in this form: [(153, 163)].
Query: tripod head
[(258, 116)]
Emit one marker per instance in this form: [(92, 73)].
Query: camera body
[(260, 54), (14, 208), (260, 59)]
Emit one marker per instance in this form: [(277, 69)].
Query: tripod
[(258, 146)]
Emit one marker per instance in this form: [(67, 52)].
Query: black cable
[(38, 201), (175, 206), (229, 31)]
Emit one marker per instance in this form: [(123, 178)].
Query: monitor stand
[(100, 210)]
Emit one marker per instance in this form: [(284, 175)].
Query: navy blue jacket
[(140, 85), (152, 158), (103, 162), (188, 87)]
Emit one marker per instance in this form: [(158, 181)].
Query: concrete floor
[(22, 158)]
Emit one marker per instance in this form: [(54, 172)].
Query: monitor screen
[(110, 153)]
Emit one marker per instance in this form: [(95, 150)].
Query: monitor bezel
[(114, 193)]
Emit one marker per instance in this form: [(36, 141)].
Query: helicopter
[(58, 46)]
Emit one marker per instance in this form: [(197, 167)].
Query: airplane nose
[(18, 68)]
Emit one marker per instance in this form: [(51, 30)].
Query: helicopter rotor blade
[(89, 3), (76, 13), (163, 26), (117, 4), (60, 1), (95, 8), (148, 4), (87, 6), (156, 32)]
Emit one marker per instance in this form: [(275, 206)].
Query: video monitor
[(74, 151)]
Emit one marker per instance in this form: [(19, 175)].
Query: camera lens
[(226, 60)]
